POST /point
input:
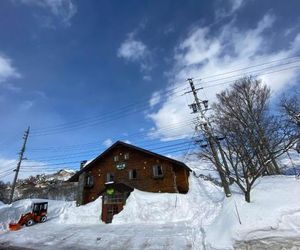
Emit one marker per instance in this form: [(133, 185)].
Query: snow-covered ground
[(203, 218)]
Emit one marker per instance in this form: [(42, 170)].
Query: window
[(116, 158), (121, 165), (126, 156), (157, 171), (132, 174), (89, 181), (110, 177)]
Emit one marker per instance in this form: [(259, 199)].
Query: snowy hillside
[(44, 186), (171, 221)]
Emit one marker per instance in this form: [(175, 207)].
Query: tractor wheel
[(43, 218), (29, 222)]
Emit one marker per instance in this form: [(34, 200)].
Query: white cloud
[(231, 7), (26, 105), (63, 9), (147, 78), (132, 49), (7, 70), (202, 54), (108, 142), (155, 99)]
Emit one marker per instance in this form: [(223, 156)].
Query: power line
[(89, 152), (240, 69), (164, 149), (85, 124), (131, 108), (267, 73), (251, 72), (174, 126)]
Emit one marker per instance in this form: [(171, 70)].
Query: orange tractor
[(38, 215)]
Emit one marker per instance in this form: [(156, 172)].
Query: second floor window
[(116, 158), (110, 177), (89, 181), (157, 171), (126, 156), (132, 174)]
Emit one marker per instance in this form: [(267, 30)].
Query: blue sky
[(83, 74)]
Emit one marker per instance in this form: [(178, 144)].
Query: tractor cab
[(40, 208)]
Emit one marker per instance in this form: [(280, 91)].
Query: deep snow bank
[(202, 201), (87, 214), (273, 211)]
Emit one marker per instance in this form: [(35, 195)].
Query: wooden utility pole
[(21, 154), (212, 140)]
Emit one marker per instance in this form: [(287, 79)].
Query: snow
[(291, 165), (203, 218), (61, 175), (273, 211), (160, 208), (88, 214)]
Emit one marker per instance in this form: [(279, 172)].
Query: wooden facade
[(123, 167)]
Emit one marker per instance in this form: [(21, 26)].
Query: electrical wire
[(129, 109)]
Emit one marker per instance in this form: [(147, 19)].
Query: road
[(165, 236)]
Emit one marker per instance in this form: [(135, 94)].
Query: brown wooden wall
[(175, 177)]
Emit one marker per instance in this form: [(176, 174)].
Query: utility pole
[(25, 137), (212, 140)]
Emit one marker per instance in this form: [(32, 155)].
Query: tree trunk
[(247, 196)]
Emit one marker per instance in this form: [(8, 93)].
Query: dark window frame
[(89, 181), (109, 175), (132, 174), (126, 156), (157, 171)]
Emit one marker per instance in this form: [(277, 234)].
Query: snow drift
[(143, 207), (273, 212)]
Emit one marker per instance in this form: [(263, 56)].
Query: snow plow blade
[(14, 226)]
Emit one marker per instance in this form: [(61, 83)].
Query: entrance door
[(113, 199), (112, 209)]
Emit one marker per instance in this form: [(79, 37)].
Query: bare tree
[(254, 138), (291, 109)]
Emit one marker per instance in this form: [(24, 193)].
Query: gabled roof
[(118, 143)]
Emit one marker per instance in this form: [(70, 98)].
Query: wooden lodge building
[(123, 167)]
